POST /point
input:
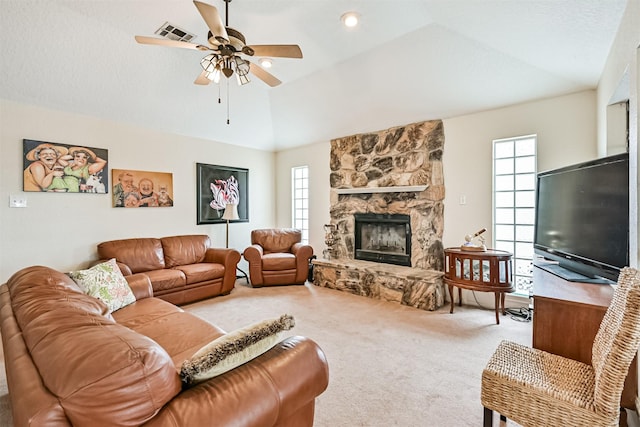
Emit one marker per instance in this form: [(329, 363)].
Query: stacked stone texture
[(409, 155)]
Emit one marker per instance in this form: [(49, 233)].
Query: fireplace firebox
[(383, 238)]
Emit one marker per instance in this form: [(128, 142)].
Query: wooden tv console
[(566, 318)]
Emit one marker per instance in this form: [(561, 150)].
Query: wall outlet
[(463, 199), (17, 201)]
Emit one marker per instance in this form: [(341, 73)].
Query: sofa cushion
[(103, 373), (276, 239), (234, 349), (204, 272), (105, 282), (145, 312), (279, 261), (183, 250), (166, 279), (178, 332), (140, 255), (27, 307)]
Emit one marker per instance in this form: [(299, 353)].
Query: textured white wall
[(316, 156), (62, 230), (566, 130)]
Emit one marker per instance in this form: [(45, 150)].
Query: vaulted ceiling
[(407, 61)]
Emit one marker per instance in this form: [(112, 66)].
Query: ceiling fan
[(226, 47)]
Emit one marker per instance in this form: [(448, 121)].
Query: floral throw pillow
[(234, 349), (105, 282)]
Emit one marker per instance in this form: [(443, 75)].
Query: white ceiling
[(409, 60)]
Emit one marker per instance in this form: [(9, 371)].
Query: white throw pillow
[(105, 282), (234, 349)]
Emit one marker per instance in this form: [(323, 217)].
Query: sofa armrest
[(31, 402), (302, 250), (229, 258), (124, 268), (303, 253), (275, 387), (222, 256), (140, 284), (253, 255)]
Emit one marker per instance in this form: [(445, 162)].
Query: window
[(300, 200), (514, 190)]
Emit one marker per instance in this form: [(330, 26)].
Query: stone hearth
[(393, 171), (415, 287)]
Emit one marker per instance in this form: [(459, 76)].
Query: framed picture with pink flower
[(221, 188)]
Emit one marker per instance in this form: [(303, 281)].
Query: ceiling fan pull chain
[(228, 96), (219, 97)]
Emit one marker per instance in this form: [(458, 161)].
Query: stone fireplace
[(394, 173)]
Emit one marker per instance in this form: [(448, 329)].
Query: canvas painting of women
[(63, 168)]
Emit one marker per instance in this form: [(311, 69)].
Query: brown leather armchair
[(277, 257)]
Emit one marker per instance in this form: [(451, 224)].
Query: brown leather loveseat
[(71, 362), (277, 257), (182, 269)]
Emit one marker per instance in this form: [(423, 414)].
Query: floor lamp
[(231, 214)]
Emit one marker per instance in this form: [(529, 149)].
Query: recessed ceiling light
[(266, 62), (350, 19)]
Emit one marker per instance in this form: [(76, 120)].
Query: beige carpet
[(389, 365)]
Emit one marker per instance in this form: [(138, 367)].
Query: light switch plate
[(17, 201)]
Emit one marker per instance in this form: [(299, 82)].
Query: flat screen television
[(582, 219)]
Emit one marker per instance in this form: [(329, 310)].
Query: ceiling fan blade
[(202, 79), (212, 19), (277, 50), (268, 78), (170, 43)]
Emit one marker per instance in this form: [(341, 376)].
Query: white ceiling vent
[(171, 32)]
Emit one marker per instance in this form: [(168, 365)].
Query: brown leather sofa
[(69, 362), (277, 257), (182, 269)]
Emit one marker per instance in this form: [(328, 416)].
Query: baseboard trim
[(518, 300)]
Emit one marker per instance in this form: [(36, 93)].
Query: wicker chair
[(536, 388)]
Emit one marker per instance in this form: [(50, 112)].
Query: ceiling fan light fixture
[(242, 70), (350, 19), (243, 79), (215, 76), (208, 63)]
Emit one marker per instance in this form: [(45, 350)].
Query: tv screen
[(582, 219)]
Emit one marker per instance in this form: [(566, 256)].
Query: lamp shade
[(231, 212)]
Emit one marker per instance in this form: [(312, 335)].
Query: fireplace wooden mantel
[(394, 189)]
